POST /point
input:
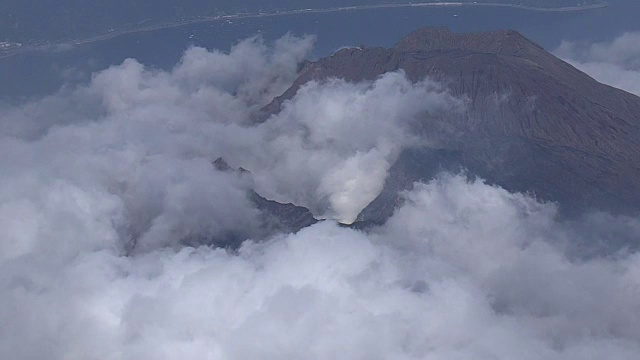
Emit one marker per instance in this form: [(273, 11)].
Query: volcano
[(532, 123)]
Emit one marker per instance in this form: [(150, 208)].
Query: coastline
[(115, 34)]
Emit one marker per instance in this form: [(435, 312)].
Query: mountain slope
[(274, 217), (532, 123)]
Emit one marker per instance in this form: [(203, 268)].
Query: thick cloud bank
[(463, 270), (616, 63), (329, 149), (101, 184)]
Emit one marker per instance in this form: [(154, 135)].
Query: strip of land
[(242, 16)]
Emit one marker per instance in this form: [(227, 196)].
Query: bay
[(39, 72)]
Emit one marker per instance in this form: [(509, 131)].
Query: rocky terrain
[(275, 217)]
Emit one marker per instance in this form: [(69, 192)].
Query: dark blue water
[(41, 72)]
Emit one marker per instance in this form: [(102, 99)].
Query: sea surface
[(40, 72)]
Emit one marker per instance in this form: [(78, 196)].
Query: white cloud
[(616, 63), (463, 270), (329, 149), (335, 141)]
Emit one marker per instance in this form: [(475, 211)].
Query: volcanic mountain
[(532, 123)]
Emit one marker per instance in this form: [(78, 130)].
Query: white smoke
[(463, 270), (335, 141), (616, 63)]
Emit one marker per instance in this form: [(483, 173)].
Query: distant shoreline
[(27, 48)]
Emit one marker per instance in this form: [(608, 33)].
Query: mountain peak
[(221, 165), (503, 42)]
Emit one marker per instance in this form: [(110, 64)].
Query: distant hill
[(35, 21)]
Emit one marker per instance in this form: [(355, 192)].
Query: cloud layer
[(102, 183), (616, 63), (328, 150), (463, 270)]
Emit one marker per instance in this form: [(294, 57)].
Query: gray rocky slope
[(532, 123), (274, 217)]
